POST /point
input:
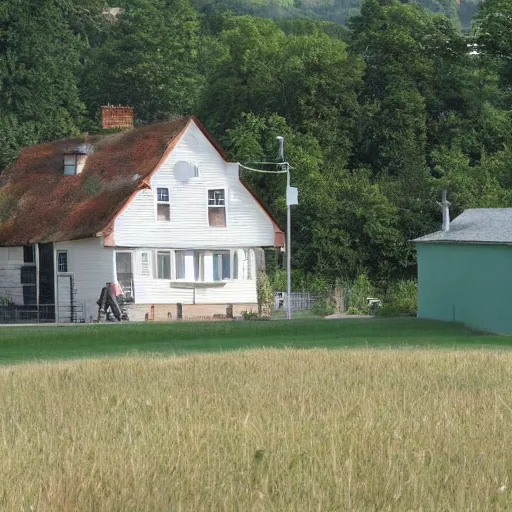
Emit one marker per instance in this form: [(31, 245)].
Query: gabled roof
[(478, 226), (39, 204)]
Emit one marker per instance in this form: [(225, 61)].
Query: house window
[(235, 265), (217, 207), (62, 261), (70, 162), (163, 205), (144, 264), (163, 262), (221, 266), (179, 264), (29, 254), (196, 171), (124, 274), (199, 266)]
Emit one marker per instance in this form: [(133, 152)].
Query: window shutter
[(144, 264)]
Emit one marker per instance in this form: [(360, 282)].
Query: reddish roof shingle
[(39, 204)]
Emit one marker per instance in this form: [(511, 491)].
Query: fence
[(42, 313), (20, 301), (300, 301)]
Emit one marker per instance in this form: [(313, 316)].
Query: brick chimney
[(116, 117)]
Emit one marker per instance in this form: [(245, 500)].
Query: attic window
[(217, 207), (74, 159), (163, 205), (70, 164)]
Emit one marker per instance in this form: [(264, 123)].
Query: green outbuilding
[(465, 270)]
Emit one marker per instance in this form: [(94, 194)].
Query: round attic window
[(183, 171)]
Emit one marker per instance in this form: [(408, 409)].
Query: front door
[(124, 274)]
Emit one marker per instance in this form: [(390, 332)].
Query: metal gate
[(66, 310)]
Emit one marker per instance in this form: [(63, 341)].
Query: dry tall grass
[(269, 430)]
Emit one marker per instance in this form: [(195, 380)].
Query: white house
[(157, 209)]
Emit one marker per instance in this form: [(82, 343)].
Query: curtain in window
[(179, 257), (235, 264), (216, 267), (198, 266)]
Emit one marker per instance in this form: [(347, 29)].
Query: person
[(108, 302)]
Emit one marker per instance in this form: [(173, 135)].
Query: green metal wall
[(466, 283)]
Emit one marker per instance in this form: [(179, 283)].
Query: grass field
[(18, 344), (267, 430)]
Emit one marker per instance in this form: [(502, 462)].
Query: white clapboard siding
[(247, 223), (92, 265), (161, 291)]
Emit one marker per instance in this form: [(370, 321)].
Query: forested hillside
[(378, 117), (337, 11)]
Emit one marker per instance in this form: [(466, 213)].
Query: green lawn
[(18, 344)]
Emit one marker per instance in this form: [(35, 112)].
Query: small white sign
[(292, 196)]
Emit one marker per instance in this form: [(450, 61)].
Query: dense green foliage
[(378, 116)]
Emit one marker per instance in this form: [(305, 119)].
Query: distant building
[(157, 210), (465, 271)]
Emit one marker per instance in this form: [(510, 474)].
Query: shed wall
[(466, 283)]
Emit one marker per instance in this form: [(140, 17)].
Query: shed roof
[(478, 226)]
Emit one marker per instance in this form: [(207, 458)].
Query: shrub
[(265, 294), (251, 315), (322, 308), (401, 299), (359, 292)]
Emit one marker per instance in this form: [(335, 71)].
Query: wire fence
[(42, 313), (299, 301), (20, 301)]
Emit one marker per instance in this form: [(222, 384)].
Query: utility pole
[(290, 199)]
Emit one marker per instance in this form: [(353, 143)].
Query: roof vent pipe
[(445, 206)]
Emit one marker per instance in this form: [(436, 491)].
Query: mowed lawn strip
[(24, 343)]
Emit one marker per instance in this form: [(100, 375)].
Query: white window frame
[(59, 271), (173, 270), (222, 253), (208, 206), (158, 202), (170, 253)]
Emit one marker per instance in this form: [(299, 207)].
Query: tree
[(39, 62), (148, 61), (342, 221), (310, 80)]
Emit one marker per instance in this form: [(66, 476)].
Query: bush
[(322, 308), (353, 311), (359, 292), (250, 315), (265, 294), (401, 299)]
